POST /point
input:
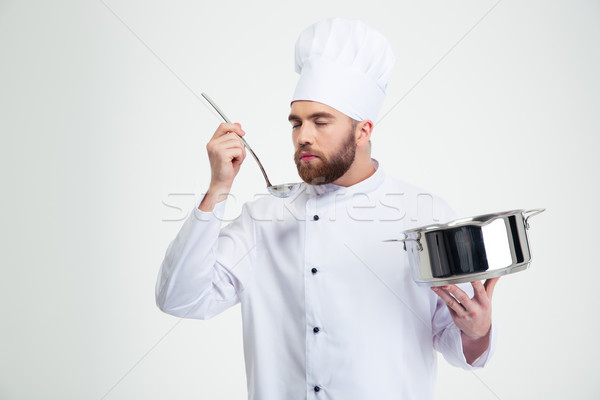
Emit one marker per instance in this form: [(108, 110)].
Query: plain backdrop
[(494, 105)]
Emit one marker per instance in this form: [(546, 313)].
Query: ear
[(363, 132)]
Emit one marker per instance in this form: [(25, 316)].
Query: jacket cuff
[(483, 359), (217, 213)]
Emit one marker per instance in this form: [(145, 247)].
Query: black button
[(317, 388), (316, 329), (316, 218), (314, 270)]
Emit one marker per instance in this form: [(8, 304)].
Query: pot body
[(470, 249)]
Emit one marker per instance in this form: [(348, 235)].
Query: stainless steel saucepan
[(469, 249)]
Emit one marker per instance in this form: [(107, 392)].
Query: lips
[(307, 156)]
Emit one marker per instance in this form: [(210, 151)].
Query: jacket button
[(315, 217), (317, 388), (316, 329), (314, 270)]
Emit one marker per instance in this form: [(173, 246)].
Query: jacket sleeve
[(205, 268)]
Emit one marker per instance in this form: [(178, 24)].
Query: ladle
[(283, 190)]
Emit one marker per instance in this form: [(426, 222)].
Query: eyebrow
[(316, 115)]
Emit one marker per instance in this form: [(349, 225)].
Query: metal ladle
[(283, 190)]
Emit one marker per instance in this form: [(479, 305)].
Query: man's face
[(324, 139)]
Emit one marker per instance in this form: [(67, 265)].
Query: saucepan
[(469, 249)]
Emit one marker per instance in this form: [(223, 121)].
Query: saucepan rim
[(479, 220)]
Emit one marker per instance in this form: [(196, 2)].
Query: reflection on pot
[(456, 251)]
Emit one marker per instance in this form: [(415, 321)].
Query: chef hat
[(344, 64)]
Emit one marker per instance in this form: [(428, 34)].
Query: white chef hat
[(344, 64)]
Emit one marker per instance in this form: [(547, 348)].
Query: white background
[(102, 130)]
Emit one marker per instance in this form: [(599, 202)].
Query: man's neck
[(360, 170)]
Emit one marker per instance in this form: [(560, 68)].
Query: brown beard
[(330, 168)]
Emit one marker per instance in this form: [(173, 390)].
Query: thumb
[(489, 286)]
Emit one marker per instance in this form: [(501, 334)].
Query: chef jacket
[(329, 308)]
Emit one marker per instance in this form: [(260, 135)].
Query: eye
[(295, 126), (320, 123)]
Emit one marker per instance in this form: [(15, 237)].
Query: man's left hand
[(473, 316)]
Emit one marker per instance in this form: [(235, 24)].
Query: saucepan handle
[(407, 239), (530, 213)]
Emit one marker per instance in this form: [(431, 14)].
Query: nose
[(304, 135)]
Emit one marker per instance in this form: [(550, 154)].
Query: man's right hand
[(226, 153)]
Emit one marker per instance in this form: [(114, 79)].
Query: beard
[(326, 169)]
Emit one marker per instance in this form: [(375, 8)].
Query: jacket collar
[(364, 186)]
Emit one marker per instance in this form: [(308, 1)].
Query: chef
[(329, 309)]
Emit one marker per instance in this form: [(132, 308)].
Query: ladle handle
[(218, 110)]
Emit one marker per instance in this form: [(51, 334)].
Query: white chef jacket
[(329, 309)]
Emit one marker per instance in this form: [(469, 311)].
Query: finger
[(234, 156), (239, 131), (480, 295), (225, 128), (489, 286), (450, 301), (227, 141), (460, 295), (221, 144), (240, 158)]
